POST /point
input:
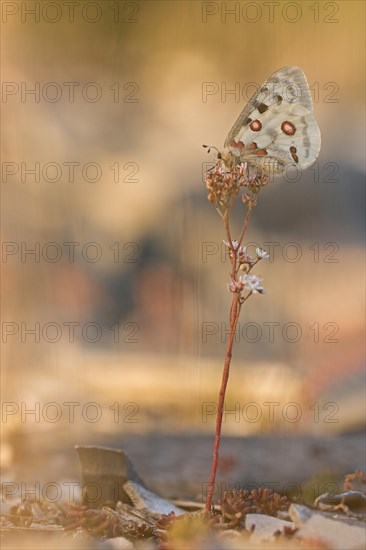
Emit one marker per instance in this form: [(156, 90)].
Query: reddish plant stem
[(234, 316), (246, 221), (236, 304)]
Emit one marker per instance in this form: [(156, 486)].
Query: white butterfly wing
[(277, 126)]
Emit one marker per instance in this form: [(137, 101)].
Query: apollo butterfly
[(277, 127)]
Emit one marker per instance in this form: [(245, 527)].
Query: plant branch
[(236, 304), (234, 316), (246, 221), (226, 184)]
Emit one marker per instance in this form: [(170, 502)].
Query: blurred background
[(114, 300)]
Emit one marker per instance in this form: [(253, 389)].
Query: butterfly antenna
[(209, 147)]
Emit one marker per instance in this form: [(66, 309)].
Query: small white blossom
[(262, 254), (234, 244), (252, 282), (244, 256)]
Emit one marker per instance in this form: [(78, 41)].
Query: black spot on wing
[(262, 107)]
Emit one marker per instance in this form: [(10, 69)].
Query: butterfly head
[(224, 156)]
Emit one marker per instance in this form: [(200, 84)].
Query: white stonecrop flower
[(252, 283), (262, 254), (234, 244), (244, 256)]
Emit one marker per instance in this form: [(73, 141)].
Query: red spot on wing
[(288, 128), (237, 145), (256, 125), (252, 146)]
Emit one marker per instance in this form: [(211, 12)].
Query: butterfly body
[(277, 126)]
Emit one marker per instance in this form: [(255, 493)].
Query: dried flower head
[(224, 183), (236, 504), (349, 480)]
